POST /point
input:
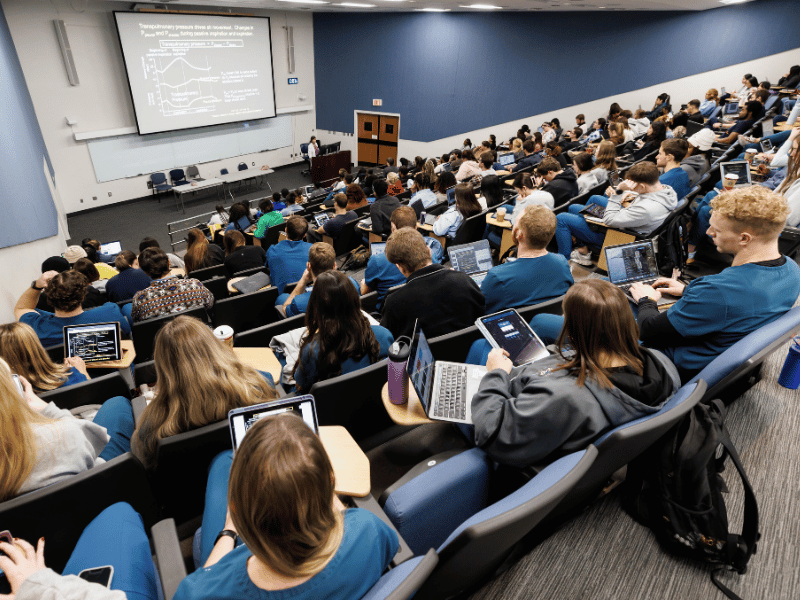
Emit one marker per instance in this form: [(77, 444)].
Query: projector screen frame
[(197, 14)]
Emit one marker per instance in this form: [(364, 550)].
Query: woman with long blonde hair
[(606, 156), (25, 355), (41, 444), (198, 381)]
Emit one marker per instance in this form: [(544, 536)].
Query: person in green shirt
[(269, 217)]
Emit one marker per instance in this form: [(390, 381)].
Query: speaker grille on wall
[(66, 52), (290, 47)]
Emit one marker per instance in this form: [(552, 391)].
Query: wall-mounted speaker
[(66, 52), (290, 47)]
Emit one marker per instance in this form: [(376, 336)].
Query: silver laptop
[(634, 263), (445, 389), (111, 248), (731, 108), (506, 158), (474, 259), (240, 420), (740, 168)]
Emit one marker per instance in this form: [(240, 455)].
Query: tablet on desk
[(508, 331), (93, 343)]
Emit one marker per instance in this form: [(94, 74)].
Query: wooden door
[(388, 138), (368, 128)]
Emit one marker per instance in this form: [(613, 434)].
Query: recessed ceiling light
[(482, 6), (356, 5), (432, 9), (733, 1), (305, 1)]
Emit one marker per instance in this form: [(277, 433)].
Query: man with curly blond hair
[(716, 311)]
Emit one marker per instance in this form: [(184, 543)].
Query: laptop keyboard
[(452, 401)]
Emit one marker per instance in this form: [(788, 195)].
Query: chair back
[(402, 582), (716, 112), (471, 230), (181, 472), (247, 311), (242, 166), (354, 401), (192, 171), (304, 149), (347, 239), (272, 234), (177, 176), (56, 353), (223, 171), (789, 242), (145, 373), (208, 273), (93, 391), (249, 272), (158, 178), (260, 337), (60, 512), (144, 332), (218, 286), (369, 302)]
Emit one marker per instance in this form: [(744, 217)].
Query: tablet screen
[(111, 248), (93, 343), (509, 331), (242, 419)]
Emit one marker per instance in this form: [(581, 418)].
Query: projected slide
[(196, 70)]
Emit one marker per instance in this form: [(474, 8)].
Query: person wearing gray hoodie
[(530, 416)]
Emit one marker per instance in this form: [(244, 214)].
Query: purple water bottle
[(398, 376), (790, 375)]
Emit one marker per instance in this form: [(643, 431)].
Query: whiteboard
[(133, 155)]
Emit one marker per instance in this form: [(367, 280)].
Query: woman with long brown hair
[(239, 256), (534, 414), (340, 339), (199, 253), (790, 188), (466, 206), (605, 157), (199, 380)]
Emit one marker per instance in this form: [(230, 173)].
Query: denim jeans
[(571, 223)]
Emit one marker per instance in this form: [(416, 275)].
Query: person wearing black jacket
[(791, 79), (532, 157), (561, 183), (692, 113), (381, 210)]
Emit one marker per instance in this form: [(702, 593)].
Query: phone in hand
[(5, 536), (18, 383), (100, 575)]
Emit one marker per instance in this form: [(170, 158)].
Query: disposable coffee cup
[(749, 155), (224, 334), (501, 215), (730, 181)]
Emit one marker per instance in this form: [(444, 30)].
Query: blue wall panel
[(25, 201), (448, 73)]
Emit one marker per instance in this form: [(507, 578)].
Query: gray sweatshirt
[(48, 585), (695, 166), (64, 448), (591, 179), (644, 214)]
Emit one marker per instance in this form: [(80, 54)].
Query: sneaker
[(580, 258)]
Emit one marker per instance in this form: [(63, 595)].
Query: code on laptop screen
[(471, 258)]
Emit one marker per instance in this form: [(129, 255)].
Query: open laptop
[(731, 108), (740, 168), (474, 259), (111, 248), (634, 263), (93, 343), (445, 389), (240, 420), (322, 218), (377, 248), (505, 159)]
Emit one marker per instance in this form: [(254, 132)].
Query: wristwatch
[(33, 286), (227, 533)]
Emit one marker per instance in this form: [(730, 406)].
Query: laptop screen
[(740, 168), (506, 158), (377, 248), (631, 262), (471, 258), (240, 420), (93, 343), (420, 368), (731, 108), (111, 248)]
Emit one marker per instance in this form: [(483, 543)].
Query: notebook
[(445, 389), (240, 420), (474, 259), (506, 158), (509, 331), (634, 263), (93, 343), (111, 248), (736, 167), (252, 283), (377, 248)]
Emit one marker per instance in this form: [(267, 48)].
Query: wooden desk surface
[(128, 354), (424, 227), (262, 359), (783, 126), (491, 220), (410, 413), (350, 464)]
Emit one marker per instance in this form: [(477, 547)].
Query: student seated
[(269, 217), (294, 203), (240, 218), (730, 132), (94, 296), (466, 206), (421, 190), (533, 156), (381, 275), (669, 158), (716, 311), (429, 292), (174, 261), (560, 183), (287, 259), (530, 416), (536, 275), (644, 210), (321, 258), (239, 256), (199, 380), (395, 184), (588, 176), (468, 167), (24, 353), (131, 278), (220, 217), (528, 195), (199, 253), (340, 339), (166, 294), (43, 444), (299, 541), (342, 216), (65, 292), (656, 133), (381, 210)]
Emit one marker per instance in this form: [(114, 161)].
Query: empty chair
[(247, 311), (223, 171), (178, 177), (93, 391), (192, 172), (144, 332), (159, 184), (242, 166)]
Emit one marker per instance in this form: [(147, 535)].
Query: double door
[(377, 138)]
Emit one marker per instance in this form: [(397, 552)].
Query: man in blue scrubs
[(716, 311), (287, 259)]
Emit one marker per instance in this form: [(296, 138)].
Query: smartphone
[(101, 575), (766, 145), (18, 383)]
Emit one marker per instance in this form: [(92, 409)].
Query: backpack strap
[(722, 587)]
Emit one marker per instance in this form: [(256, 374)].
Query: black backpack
[(356, 259), (675, 488), (671, 245)]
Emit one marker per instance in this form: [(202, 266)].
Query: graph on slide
[(186, 87)]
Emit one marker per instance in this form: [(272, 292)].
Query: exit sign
[(377, 103), (292, 80)]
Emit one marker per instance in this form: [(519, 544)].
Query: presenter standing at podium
[(313, 148)]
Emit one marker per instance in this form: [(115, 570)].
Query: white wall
[(102, 101), (681, 91)]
